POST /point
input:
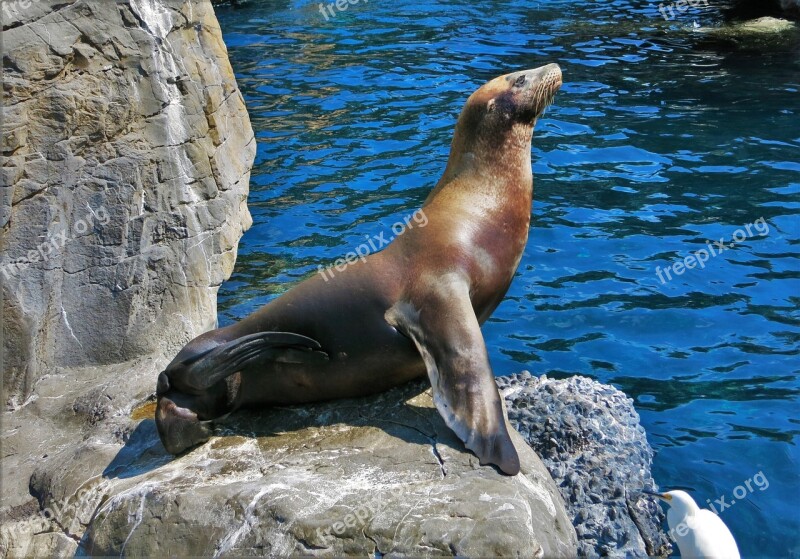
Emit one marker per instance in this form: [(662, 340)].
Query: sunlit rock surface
[(762, 34), (367, 477), (761, 27)]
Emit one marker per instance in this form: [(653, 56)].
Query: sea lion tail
[(204, 370)]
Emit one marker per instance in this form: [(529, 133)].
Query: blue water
[(657, 143)]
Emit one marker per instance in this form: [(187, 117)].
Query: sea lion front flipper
[(447, 334), (204, 370)]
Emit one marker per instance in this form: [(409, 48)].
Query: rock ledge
[(370, 477)]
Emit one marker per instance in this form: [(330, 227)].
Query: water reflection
[(675, 392)]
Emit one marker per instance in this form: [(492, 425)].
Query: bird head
[(678, 500)]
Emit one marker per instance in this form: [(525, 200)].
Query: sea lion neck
[(488, 164), (492, 139)]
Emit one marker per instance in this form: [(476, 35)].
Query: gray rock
[(127, 150), (126, 157), (589, 436), (58, 445), (279, 481), (762, 31), (378, 476)]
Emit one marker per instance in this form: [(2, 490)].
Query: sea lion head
[(497, 120), (519, 97)]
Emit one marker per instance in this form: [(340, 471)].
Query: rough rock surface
[(369, 477), (761, 33), (127, 150), (353, 477), (126, 157), (589, 437)]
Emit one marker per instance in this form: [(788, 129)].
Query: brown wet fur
[(478, 217)]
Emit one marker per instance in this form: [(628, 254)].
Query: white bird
[(698, 532)]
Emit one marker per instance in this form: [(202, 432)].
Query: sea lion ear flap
[(448, 336)]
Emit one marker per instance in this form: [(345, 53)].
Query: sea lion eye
[(520, 81)]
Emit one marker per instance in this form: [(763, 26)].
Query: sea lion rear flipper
[(447, 334), (205, 370)]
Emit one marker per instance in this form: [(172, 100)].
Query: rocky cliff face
[(126, 158), (127, 151)]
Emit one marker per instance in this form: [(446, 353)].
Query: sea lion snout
[(551, 78)]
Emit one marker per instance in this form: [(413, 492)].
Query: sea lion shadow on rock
[(413, 309), (395, 412), (142, 453)]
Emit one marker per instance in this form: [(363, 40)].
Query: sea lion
[(412, 308)]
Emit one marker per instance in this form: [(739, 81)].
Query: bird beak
[(663, 496)]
